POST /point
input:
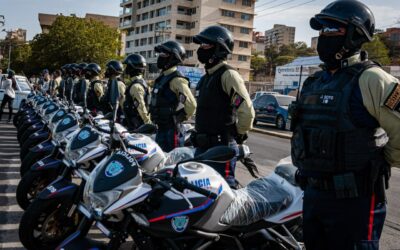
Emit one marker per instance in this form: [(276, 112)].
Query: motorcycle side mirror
[(146, 129), (114, 93)]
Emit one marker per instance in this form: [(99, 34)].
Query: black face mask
[(328, 47), (163, 62)]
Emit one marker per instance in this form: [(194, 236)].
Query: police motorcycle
[(24, 107), (40, 131), (188, 206), (52, 215)]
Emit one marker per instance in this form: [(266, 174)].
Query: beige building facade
[(280, 35), (150, 22)]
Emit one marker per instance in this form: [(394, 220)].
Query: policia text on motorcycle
[(345, 134)]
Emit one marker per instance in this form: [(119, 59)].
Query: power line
[(273, 1), (276, 6), (279, 11)]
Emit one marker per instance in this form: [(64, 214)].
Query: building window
[(152, 1), (243, 44), (150, 41), (143, 41), (246, 2), (179, 38), (137, 30), (128, 44), (245, 16), (183, 25), (228, 13), (151, 27), (242, 58), (160, 25), (137, 43), (158, 39), (193, 11), (231, 28), (146, 3), (149, 53), (145, 28), (143, 53), (188, 39), (137, 18), (145, 16), (139, 5), (189, 53), (230, 1), (244, 30), (161, 12)]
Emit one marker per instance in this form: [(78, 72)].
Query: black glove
[(180, 116), (241, 138)]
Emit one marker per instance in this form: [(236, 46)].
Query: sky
[(24, 13)]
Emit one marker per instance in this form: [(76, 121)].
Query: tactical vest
[(214, 113), (78, 95), (325, 138), (93, 101), (130, 107), (61, 88), (69, 87), (164, 101)]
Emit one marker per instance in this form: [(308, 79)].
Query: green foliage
[(282, 60), (73, 39), (377, 51), (20, 52)]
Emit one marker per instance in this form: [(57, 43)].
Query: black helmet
[(216, 35), (74, 68), (10, 73), (114, 68), (92, 69), (354, 15), (135, 61), (174, 48)]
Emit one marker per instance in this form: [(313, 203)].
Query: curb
[(276, 134)]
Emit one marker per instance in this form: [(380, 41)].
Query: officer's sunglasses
[(326, 31), (206, 46), (162, 54)]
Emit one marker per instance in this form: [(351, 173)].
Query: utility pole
[(9, 57)]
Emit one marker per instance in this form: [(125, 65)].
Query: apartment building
[(280, 35), (150, 22)]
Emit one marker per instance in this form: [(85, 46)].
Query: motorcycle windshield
[(67, 122), (179, 154), (85, 136)]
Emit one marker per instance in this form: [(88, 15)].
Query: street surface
[(267, 151)]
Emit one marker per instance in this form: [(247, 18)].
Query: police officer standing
[(171, 99), (224, 111), (137, 93), (96, 91), (69, 84), (79, 81), (338, 143), (114, 69)]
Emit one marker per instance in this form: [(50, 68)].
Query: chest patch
[(327, 99), (393, 100)]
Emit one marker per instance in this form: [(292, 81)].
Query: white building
[(287, 76)]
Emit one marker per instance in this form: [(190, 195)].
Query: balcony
[(125, 2), (126, 23), (125, 11)]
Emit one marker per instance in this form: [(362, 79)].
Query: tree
[(258, 64), (377, 51), (73, 39)]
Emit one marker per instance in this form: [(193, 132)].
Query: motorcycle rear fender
[(44, 146), (59, 188), (46, 163)]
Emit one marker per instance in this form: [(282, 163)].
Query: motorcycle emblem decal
[(83, 135), (60, 113), (66, 121), (51, 189), (114, 169), (179, 223)]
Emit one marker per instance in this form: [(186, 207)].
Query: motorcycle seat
[(261, 198)]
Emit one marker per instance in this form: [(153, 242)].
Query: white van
[(23, 89)]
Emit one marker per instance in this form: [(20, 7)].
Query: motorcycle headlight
[(74, 155), (100, 201)]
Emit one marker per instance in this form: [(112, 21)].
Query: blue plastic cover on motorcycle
[(58, 116), (67, 122), (85, 136), (261, 198)]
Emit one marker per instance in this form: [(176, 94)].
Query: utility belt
[(201, 140), (349, 185)]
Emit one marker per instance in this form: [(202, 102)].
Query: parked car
[(272, 109), (23, 89), (257, 94)]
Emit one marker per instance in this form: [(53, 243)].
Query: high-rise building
[(280, 35), (314, 43), (18, 35), (258, 43), (150, 22)]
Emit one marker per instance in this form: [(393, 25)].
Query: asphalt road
[(267, 151)]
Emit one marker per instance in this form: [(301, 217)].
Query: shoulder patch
[(393, 100)]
